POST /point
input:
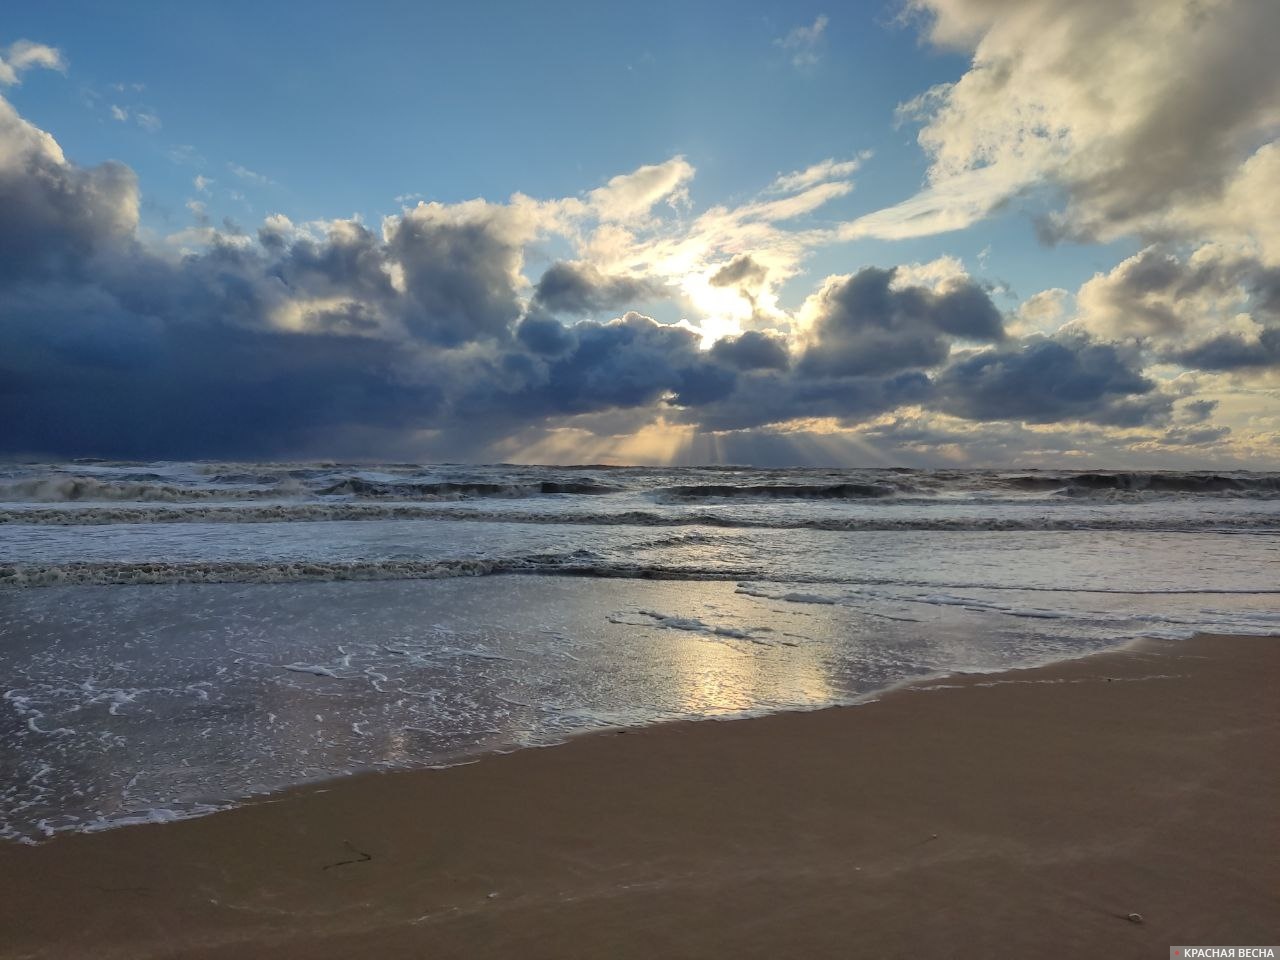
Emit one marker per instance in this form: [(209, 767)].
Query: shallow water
[(158, 659)]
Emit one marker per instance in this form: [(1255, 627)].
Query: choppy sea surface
[(175, 637)]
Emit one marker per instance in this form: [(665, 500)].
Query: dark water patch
[(360, 487), (784, 491)]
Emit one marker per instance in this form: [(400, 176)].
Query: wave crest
[(66, 489), (1148, 482)]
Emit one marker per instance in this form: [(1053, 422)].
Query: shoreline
[(1034, 810), (161, 816)]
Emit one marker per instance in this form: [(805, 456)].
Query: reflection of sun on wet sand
[(1026, 814), (729, 673)]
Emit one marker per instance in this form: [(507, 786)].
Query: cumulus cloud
[(424, 333), (250, 345), (752, 350), (1232, 351), (1042, 312), (1212, 309), (876, 341), (627, 362), (864, 324), (459, 268), (1086, 97), (922, 438), (1046, 380), (579, 289), (58, 216)]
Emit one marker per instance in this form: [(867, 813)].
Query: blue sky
[(236, 113), (450, 102)]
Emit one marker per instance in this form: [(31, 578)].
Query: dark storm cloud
[(1198, 411), (1044, 380), (632, 361), (767, 397), (1193, 436), (349, 262), (752, 350), (579, 289), (864, 325), (1264, 284), (870, 347), (460, 272), (251, 348), (543, 335), (1232, 351), (740, 271), (55, 216), (117, 384), (107, 348), (293, 342)]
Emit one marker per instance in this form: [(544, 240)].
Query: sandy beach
[(1023, 814)]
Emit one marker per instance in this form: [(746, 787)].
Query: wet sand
[(1017, 815)]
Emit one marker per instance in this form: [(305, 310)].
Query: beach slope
[(1120, 803)]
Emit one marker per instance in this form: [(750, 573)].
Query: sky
[(896, 232)]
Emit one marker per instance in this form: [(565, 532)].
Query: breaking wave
[(320, 484), (153, 488), (578, 563), (66, 489), (1148, 482), (335, 511), (48, 575)]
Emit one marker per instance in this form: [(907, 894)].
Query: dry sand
[(1021, 815)]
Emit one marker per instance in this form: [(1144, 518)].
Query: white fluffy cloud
[(1153, 118)]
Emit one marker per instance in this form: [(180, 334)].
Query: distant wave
[(1087, 484), (456, 490), (153, 488), (199, 484), (831, 491), (64, 489)]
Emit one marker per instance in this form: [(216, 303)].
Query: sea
[(176, 638)]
